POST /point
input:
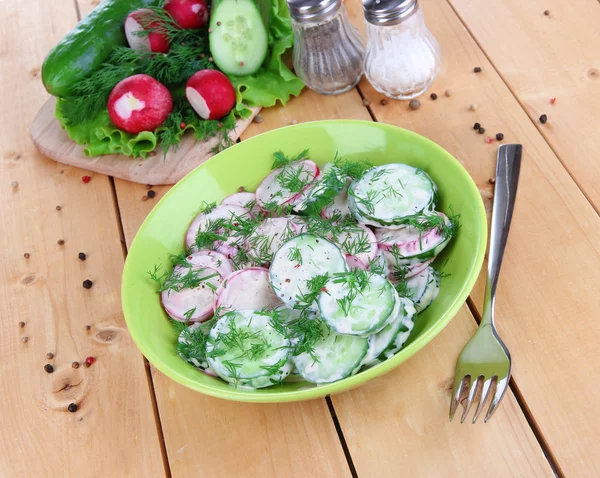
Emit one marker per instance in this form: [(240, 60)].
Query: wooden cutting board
[(53, 142)]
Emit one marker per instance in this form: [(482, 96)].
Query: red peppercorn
[(90, 360), (182, 125), (488, 140), (86, 179), (552, 101)]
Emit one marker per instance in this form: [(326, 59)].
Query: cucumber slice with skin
[(238, 39), (335, 356), (298, 261), (358, 303), (245, 350), (423, 288), (192, 353), (408, 324), (386, 194), (382, 340)]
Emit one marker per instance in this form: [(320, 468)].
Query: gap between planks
[(516, 97)]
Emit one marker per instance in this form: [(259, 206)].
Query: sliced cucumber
[(422, 288), (408, 324), (382, 340), (238, 40), (386, 194), (244, 349), (335, 356), (300, 260), (191, 345), (358, 302)]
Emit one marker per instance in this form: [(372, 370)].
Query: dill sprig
[(192, 341), (294, 179), (305, 300), (353, 169), (181, 278), (280, 159), (295, 255), (370, 201)]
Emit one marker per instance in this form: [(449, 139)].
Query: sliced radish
[(210, 93), (355, 263), (245, 199), (228, 251), (269, 236), (199, 299), (226, 212), (139, 103), (213, 259), (339, 207), (299, 222), (188, 14), (408, 271), (272, 191), (247, 289), (359, 241), (142, 20)]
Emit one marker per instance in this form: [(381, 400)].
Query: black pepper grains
[(476, 126), (87, 284), (61, 242), (546, 12), (383, 102), (27, 255), (21, 325), (86, 328), (82, 256), (499, 136), (72, 407), (151, 193), (49, 355), (75, 364), (481, 130), (543, 119), (477, 69), (48, 368), (433, 96)]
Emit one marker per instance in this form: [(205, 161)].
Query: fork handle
[(507, 179)]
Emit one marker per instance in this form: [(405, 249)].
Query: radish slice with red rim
[(268, 237), (244, 199), (284, 185), (216, 260), (359, 241), (203, 220), (192, 304), (247, 289)]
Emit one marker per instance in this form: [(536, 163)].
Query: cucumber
[(386, 194), (335, 356), (401, 337), (300, 260), (238, 42), (244, 349), (192, 346), (422, 289), (83, 50), (358, 303), (382, 340)]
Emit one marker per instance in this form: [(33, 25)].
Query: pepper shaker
[(328, 51), (402, 57)]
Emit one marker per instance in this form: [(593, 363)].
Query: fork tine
[(483, 398), (457, 390), (500, 390), (474, 387)]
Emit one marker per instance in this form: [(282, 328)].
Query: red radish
[(247, 289), (278, 230), (210, 93), (141, 20), (203, 219), (139, 103), (243, 199), (212, 259), (270, 190), (188, 14)]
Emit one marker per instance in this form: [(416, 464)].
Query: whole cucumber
[(87, 46)]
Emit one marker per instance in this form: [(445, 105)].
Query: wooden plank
[(113, 433), (53, 142), (552, 264), (544, 57)]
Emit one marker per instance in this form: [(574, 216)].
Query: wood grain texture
[(113, 433), (54, 143), (548, 296), (397, 424), (544, 57)]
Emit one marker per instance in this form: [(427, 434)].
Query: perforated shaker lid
[(388, 12), (306, 11)]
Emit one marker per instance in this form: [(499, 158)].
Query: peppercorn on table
[(526, 72)]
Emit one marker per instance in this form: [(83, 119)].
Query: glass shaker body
[(329, 54), (402, 60)]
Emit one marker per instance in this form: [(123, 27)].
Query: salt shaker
[(402, 57), (328, 51)]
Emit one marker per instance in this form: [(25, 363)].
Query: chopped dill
[(295, 255), (281, 160)]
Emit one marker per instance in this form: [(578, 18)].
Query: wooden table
[(133, 421)]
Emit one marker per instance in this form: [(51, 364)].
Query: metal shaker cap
[(312, 11), (388, 12)]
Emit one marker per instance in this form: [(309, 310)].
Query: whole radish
[(142, 20), (139, 103), (210, 93), (188, 14)]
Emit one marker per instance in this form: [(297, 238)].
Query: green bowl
[(246, 164)]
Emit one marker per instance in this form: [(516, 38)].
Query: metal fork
[(485, 361)]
